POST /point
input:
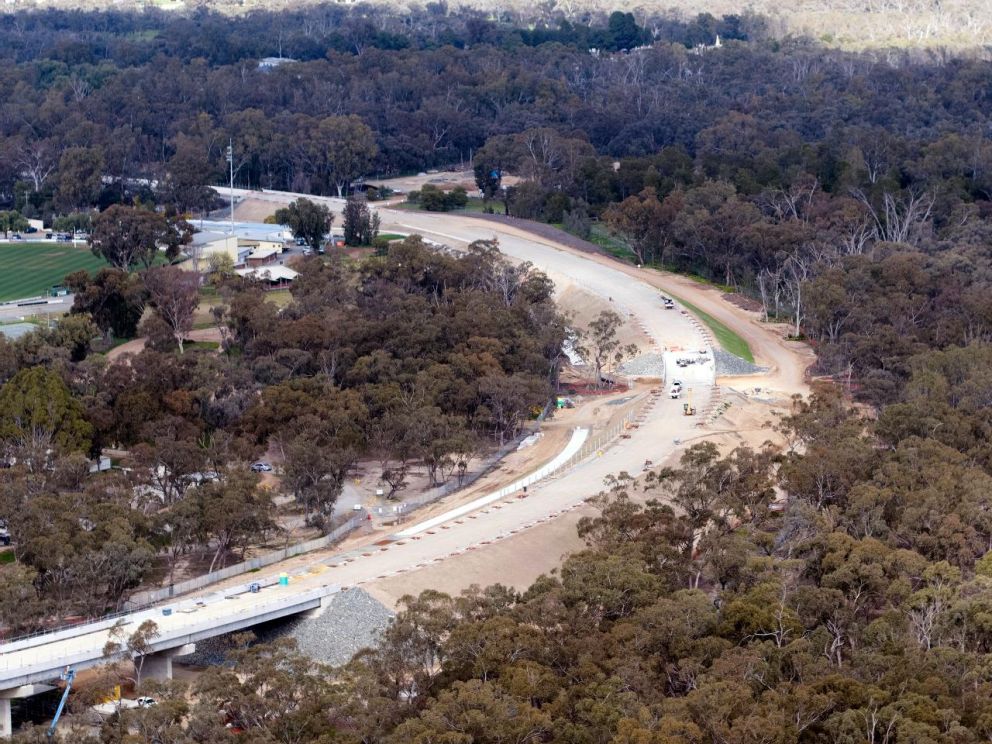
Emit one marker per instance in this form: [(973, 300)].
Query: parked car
[(146, 702), (261, 467)]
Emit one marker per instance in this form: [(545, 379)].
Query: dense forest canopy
[(158, 95), (822, 182), (949, 24), (835, 590), (697, 614), (410, 357)]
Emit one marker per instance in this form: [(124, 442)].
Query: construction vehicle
[(687, 408), (68, 675)]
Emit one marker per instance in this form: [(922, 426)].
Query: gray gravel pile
[(646, 365), (730, 364), (353, 620)]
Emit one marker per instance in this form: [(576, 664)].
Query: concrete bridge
[(28, 665)]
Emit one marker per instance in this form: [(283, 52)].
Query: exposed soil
[(135, 346), (748, 407), (582, 307), (253, 210), (515, 562), (787, 361), (743, 301)]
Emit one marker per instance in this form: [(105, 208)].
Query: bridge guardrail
[(37, 659)]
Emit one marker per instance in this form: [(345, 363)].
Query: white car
[(261, 467), (676, 390), (146, 702)]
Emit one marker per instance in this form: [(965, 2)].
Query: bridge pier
[(158, 666), (6, 725)]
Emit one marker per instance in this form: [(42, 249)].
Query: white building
[(275, 277), (247, 238)]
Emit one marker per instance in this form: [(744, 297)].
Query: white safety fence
[(579, 448), (604, 438)]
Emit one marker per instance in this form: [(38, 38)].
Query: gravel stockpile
[(645, 365), (729, 364), (352, 621)]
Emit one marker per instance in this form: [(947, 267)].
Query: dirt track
[(135, 346)]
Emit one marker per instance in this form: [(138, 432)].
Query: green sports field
[(30, 269)]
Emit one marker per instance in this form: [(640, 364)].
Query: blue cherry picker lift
[(68, 675)]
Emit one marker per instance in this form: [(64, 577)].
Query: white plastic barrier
[(579, 437)]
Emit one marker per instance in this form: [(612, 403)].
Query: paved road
[(655, 438), (10, 313)]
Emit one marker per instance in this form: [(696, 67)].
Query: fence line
[(591, 444), (594, 444), (152, 596)]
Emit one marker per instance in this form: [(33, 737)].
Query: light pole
[(230, 163)]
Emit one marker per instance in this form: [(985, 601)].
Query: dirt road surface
[(521, 556), (512, 540), (134, 346)]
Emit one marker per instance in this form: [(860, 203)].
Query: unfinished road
[(651, 436)]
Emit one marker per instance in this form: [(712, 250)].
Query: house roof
[(267, 62), (208, 237), (270, 273)]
